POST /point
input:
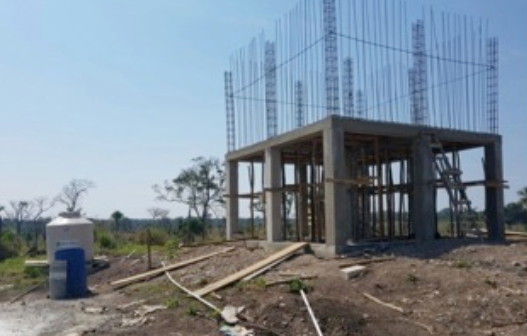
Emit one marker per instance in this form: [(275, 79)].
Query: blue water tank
[(76, 282)]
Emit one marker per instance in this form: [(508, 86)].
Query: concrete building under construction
[(358, 123)]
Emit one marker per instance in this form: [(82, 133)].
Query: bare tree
[(72, 193), (200, 187), (19, 212), (158, 213), (39, 206)]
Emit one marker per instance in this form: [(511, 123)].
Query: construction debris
[(367, 262), (154, 273), (136, 322), (382, 303), (148, 309), (237, 330), (353, 272), (315, 322), (286, 281), (230, 314), (251, 269)]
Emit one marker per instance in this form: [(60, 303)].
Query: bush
[(10, 245), (105, 239), (171, 246)]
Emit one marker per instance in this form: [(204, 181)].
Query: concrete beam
[(337, 200), (291, 137), (273, 198), (423, 205), (494, 195), (232, 202)]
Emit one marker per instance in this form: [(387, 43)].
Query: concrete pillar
[(232, 202), (494, 195), (301, 173), (273, 197), (337, 201), (423, 205)]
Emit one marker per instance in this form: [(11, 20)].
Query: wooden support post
[(251, 205)]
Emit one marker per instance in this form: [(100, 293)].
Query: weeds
[(463, 264), (172, 303), (296, 285)]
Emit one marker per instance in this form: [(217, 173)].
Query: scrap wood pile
[(232, 316)]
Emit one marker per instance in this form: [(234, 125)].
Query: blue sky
[(127, 92)]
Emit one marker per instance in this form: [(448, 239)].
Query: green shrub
[(106, 240), (172, 246), (172, 303), (296, 285), (34, 272), (11, 245)]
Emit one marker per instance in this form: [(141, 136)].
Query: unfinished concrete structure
[(367, 167)]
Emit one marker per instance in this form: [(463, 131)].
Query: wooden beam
[(251, 269), (154, 273)]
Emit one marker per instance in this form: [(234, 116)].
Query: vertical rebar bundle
[(299, 100), (347, 88), (492, 85), (418, 75), (363, 59), (229, 104), (270, 89), (331, 57)]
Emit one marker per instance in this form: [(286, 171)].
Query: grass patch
[(296, 285), (466, 264), (13, 271)]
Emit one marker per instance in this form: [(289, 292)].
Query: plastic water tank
[(69, 227), (76, 278)]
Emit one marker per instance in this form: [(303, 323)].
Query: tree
[(72, 193), (158, 213), (523, 198), (18, 213), (200, 187), (117, 216)]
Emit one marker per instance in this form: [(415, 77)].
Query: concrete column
[(423, 205), (494, 195), (337, 201), (232, 202), (273, 197), (301, 172)]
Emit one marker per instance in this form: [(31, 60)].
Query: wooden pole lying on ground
[(159, 271), (319, 332), (200, 299), (251, 269), (367, 262), (284, 281), (382, 303)]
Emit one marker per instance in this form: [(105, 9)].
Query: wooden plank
[(263, 270), (251, 269), (159, 271), (36, 263)]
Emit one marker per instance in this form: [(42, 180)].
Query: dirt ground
[(444, 288)]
